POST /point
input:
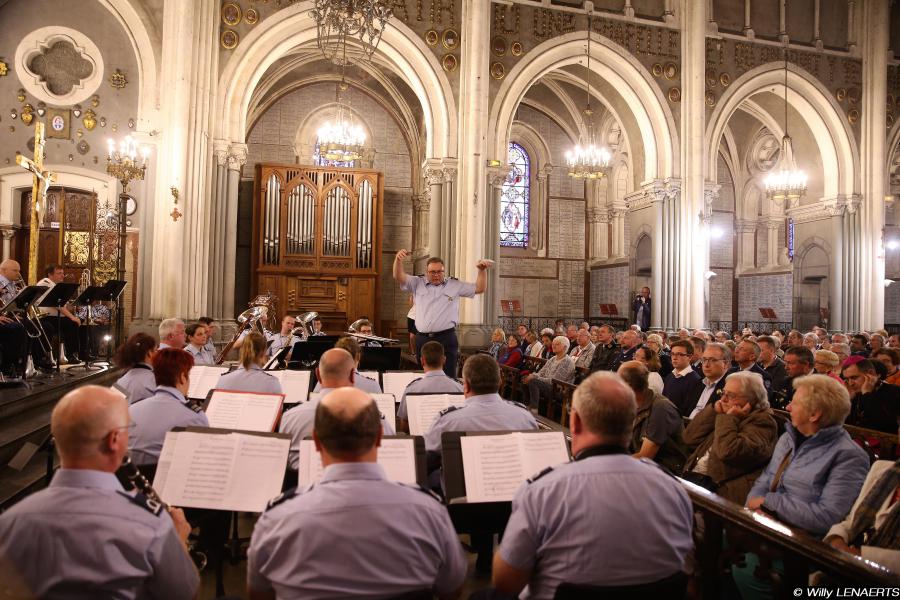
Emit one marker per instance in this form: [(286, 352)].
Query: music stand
[(58, 296), (115, 287), (25, 299), (386, 358), (91, 294), (308, 352)]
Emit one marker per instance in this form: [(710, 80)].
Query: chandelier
[(341, 140), (587, 160), (785, 182), (339, 21)]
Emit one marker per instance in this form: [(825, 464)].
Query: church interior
[(717, 172)]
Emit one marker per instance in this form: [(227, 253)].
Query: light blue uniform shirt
[(138, 383), (253, 379), (299, 423), (154, 417), (7, 290), (488, 412), (360, 382), (84, 537), (202, 356), (433, 382), (355, 534), (437, 306), (578, 523)]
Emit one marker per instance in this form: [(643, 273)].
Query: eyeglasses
[(706, 361), (731, 395), (680, 354), (435, 272)]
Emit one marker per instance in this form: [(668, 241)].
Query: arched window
[(515, 197)]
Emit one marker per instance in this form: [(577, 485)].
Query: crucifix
[(39, 186)]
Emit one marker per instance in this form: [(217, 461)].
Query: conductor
[(437, 303)]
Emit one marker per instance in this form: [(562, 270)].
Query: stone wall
[(765, 291), (609, 285)]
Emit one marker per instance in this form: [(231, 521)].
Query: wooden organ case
[(317, 237)]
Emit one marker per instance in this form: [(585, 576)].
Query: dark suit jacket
[(693, 395), (645, 321)]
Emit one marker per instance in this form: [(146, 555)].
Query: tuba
[(31, 321), (305, 324), (250, 320)]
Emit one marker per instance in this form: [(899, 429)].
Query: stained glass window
[(321, 161), (515, 196)]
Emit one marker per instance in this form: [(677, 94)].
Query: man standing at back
[(435, 381), (568, 523), (355, 532)]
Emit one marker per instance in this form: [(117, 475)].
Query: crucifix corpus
[(40, 184)]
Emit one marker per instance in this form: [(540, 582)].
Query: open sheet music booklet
[(385, 403), (423, 410), (395, 382), (496, 465), (203, 379), (396, 455), (294, 384), (249, 411), (223, 470)]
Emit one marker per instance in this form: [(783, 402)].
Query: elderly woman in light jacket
[(560, 366)]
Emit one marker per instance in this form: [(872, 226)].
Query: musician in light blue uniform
[(250, 377), (360, 381), (135, 356), (336, 370), (197, 334), (354, 533), (434, 381), (167, 408), (108, 544), (586, 509)]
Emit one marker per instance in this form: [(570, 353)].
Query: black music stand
[(308, 352), (24, 300), (58, 296), (114, 288), (91, 294), (385, 358)]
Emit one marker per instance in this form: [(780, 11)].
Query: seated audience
[(683, 378), (83, 536), (815, 473), (534, 347), (699, 345), (890, 358), (873, 401), (250, 377), (798, 362), (498, 338), (134, 356), (559, 366), (746, 355), (572, 335), (360, 381), (794, 339), (355, 533), (583, 351), (650, 359), (196, 334), (716, 362), (434, 381), (811, 341), (894, 341), (171, 334), (859, 345), (547, 343), (630, 342), (605, 350), (877, 341), (168, 407), (732, 440), (658, 427), (656, 343), (568, 523), (842, 351), (522, 333), (826, 362), (511, 356)]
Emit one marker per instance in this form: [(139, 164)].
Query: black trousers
[(14, 344), (448, 340), (68, 331)]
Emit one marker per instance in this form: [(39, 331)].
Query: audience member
[(890, 358), (873, 401), (732, 439), (498, 338), (825, 362), (746, 355), (534, 347), (631, 341), (559, 366), (606, 350), (894, 341), (683, 378), (511, 356), (699, 345), (842, 351), (769, 361), (876, 343), (583, 351), (522, 333), (572, 335), (811, 341), (859, 345), (568, 524), (798, 362), (650, 359), (657, 345), (716, 362), (547, 343), (135, 356)]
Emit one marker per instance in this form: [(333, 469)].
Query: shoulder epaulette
[(539, 475), (151, 506), (650, 461), (449, 409), (453, 278), (518, 404), (197, 408), (412, 382), (282, 497)]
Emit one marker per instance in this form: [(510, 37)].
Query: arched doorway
[(811, 289)]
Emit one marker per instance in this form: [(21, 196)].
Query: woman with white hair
[(561, 366), (815, 473), (826, 362), (655, 343), (732, 439)]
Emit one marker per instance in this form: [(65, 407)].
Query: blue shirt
[(355, 534), (84, 537), (154, 417), (432, 382), (202, 355), (253, 379), (7, 290), (581, 523), (138, 383), (489, 412), (437, 306)]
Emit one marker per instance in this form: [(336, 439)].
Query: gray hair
[(828, 356), (563, 340), (723, 349), (753, 387), (168, 326), (827, 395), (606, 405)]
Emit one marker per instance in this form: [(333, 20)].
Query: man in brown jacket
[(732, 439)]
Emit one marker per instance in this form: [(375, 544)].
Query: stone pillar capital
[(544, 172), (745, 225), (421, 201), (7, 234), (237, 156), (220, 151), (497, 175)]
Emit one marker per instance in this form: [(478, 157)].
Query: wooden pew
[(511, 383), (562, 401)]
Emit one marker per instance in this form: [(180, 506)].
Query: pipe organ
[(317, 239)]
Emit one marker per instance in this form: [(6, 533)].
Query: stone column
[(617, 225), (448, 204), (836, 271), (598, 217), (7, 236), (421, 206), (495, 178), (746, 240), (773, 250), (433, 174), (872, 152), (218, 231), (237, 157), (537, 220)]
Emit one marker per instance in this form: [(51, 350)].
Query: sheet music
[(396, 455), (294, 384), (395, 383), (388, 408), (371, 375), (496, 465), (423, 410), (225, 471), (244, 410), (202, 379)]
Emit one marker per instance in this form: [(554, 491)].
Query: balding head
[(635, 375), (604, 409), (336, 368), (10, 269), (347, 427), (90, 426)]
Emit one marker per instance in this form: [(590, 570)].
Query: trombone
[(31, 322)]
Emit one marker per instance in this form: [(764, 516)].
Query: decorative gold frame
[(450, 39), (449, 62), (229, 39), (251, 16), (498, 45), (231, 14), (725, 79), (498, 71), (670, 70), (516, 49), (657, 69), (674, 94), (66, 115)]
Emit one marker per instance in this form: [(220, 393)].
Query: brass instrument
[(260, 307), (305, 324), (351, 331), (31, 322), (83, 284)]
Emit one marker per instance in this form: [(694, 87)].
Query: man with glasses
[(798, 362), (131, 547), (437, 303), (683, 378), (715, 362)]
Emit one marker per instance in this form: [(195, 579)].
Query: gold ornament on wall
[(118, 80), (95, 100), (498, 45), (432, 37), (27, 114), (711, 78), (4, 69), (725, 79), (229, 39), (674, 94), (251, 16), (840, 94), (853, 116), (657, 69), (90, 120), (231, 14), (670, 70), (20, 95), (710, 98), (450, 39), (498, 70), (449, 62), (516, 49)]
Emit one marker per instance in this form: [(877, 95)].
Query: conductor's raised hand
[(402, 254), (483, 264)]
